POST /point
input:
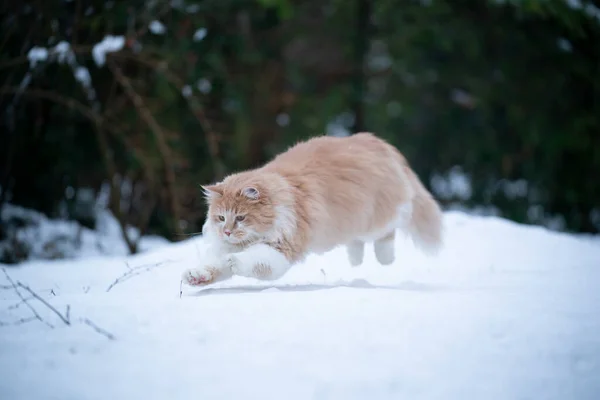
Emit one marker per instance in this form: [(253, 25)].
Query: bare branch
[(24, 59), (115, 197), (161, 141), (87, 49), (212, 138), (101, 331), (18, 322), (131, 272), (65, 101), (36, 317), (24, 300), (34, 294), (19, 304)]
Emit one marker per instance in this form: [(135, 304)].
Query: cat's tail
[(426, 222)]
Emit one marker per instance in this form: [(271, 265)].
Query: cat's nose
[(227, 232)]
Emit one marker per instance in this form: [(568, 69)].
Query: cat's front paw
[(199, 276), (238, 266)]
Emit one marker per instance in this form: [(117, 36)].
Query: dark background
[(497, 98)]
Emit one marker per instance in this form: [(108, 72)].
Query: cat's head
[(240, 212)]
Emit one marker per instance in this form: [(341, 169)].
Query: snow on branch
[(200, 34), (62, 53), (37, 54), (157, 27), (109, 44)]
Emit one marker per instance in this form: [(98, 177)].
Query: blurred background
[(124, 108)]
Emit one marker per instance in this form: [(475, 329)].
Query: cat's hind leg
[(356, 252), (384, 248)]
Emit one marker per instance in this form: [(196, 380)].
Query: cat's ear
[(212, 191), (251, 192)]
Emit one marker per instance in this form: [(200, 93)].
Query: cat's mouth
[(234, 240), (240, 240)]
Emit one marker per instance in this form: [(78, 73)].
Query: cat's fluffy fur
[(317, 195)]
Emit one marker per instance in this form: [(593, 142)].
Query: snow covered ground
[(506, 311)]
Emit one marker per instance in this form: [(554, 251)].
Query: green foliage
[(506, 90)]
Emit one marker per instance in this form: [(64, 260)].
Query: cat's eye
[(240, 218), (221, 218)]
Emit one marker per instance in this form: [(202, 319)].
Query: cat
[(319, 194)]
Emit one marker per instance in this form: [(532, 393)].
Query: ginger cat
[(319, 194)]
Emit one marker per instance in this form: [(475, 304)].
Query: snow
[(462, 98), (204, 85), (63, 52), (283, 119), (506, 311), (339, 126), (49, 238), (200, 34), (36, 54), (109, 44), (589, 9), (186, 91), (157, 27), (455, 183), (82, 74), (192, 8), (565, 45)]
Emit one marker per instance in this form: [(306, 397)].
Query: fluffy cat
[(317, 195)]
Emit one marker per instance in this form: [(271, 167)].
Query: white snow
[(82, 74), (200, 34), (109, 44), (49, 237), (589, 9), (339, 125), (157, 27), (283, 119), (192, 8), (462, 98), (565, 45), (36, 54), (455, 183), (63, 52), (204, 85), (506, 311), (186, 91)]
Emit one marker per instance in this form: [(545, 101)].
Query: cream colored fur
[(319, 194)]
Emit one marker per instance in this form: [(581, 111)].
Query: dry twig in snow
[(15, 287), (66, 318), (101, 331), (44, 302), (18, 322), (131, 272)]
